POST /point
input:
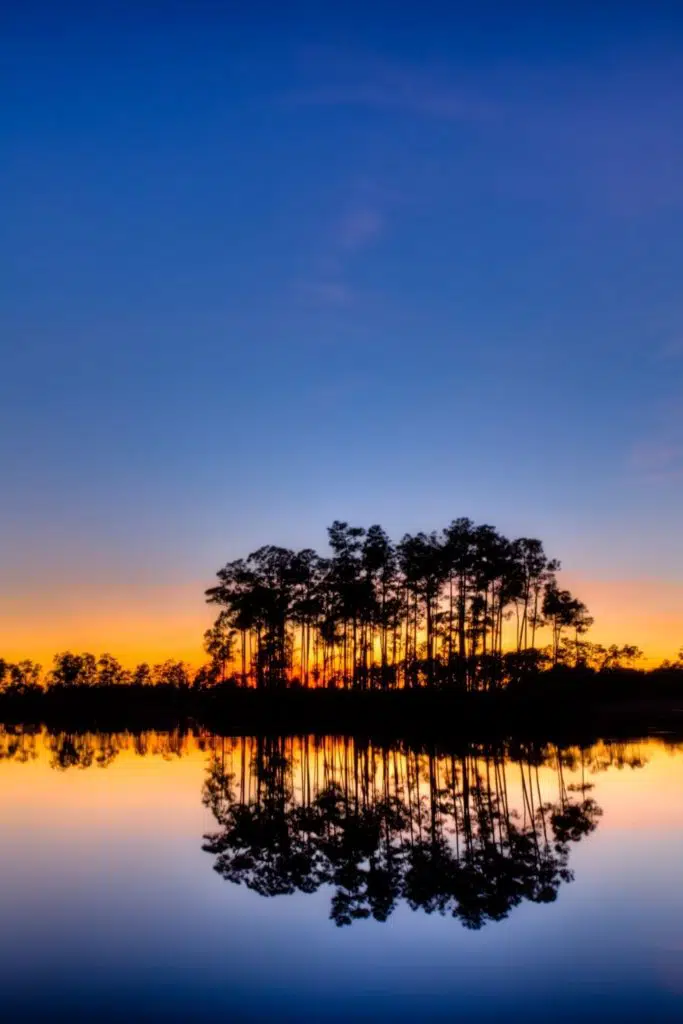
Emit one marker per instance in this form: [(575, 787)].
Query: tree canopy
[(459, 607)]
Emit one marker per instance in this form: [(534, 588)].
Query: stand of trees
[(461, 608), (73, 674)]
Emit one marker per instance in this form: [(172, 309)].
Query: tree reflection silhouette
[(82, 750), (440, 834), (469, 835)]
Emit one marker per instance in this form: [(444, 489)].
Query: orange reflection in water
[(132, 777)]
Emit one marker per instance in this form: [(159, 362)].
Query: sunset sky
[(266, 269)]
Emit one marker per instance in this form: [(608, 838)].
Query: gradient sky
[(268, 265)]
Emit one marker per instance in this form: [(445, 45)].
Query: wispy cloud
[(400, 92), (376, 82), (360, 223), (610, 137)]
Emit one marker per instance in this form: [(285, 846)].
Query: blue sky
[(265, 267)]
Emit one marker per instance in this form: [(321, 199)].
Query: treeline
[(462, 608), (82, 673), (86, 671)]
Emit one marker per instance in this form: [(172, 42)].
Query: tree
[(25, 675), (110, 672), (380, 568), (563, 611), (460, 561), (597, 657), (219, 642), (207, 676), (424, 570), (532, 571), (171, 673), (258, 595), (141, 675), (350, 603), (72, 670), (19, 677)]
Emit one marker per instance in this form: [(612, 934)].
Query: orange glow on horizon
[(153, 624), (135, 624)]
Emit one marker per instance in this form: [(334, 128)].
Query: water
[(169, 877)]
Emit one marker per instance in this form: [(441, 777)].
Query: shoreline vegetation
[(572, 713), (456, 628)]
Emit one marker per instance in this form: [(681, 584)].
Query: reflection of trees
[(90, 749), (263, 842), (93, 749), (82, 750), (470, 836), (86, 749), (18, 744)]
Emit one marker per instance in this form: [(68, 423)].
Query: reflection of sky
[(262, 272), (108, 902)]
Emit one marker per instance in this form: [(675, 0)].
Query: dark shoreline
[(411, 716)]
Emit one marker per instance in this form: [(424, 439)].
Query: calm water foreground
[(172, 877)]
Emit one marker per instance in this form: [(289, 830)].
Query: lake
[(173, 876)]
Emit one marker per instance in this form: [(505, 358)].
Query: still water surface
[(172, 877)]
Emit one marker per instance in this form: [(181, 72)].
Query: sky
[(265, 266)]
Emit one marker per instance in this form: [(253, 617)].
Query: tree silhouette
[(463, 609), (219, 641), (19, 678), (563, 611), (429, 612), (381, 827), (71, 670), (110, 672), (172, 674)]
